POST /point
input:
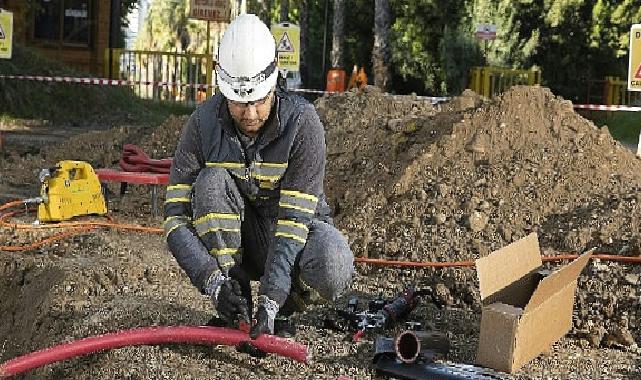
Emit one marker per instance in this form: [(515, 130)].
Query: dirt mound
[(455, 185), (525, 163), (407, 180)]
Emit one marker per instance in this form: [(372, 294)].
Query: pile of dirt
[(452, 185), (407, 180)]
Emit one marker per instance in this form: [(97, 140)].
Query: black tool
[(380, 313)]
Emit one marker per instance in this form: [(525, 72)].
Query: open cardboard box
[(525, 307)]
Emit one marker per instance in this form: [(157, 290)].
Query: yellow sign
[(634, 63), (287, 38), (6, 34)]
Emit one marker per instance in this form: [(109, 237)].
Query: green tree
[(458, 54)]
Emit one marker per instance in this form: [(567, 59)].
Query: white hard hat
[(246, 64)]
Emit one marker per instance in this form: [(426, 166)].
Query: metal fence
[(615, 92), (178, 77), (491, 81)]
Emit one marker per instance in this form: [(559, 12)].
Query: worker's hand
[(232, 305), (264, 319), (227, 297)]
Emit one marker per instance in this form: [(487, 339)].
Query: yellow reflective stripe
[(214, 215), (266, 177), (269, 185), (179, 186), (174, 200), (167, 232), (291, 236), (298, 194), (173, 222), (271, 164), (225, 165), (291, 223), (223, 251), (299, 208)]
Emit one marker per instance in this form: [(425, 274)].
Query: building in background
[(76, 32)]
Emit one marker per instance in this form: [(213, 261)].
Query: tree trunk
[(381, 54), (261, 8), (304, 32), (284, 10), (338, 34)]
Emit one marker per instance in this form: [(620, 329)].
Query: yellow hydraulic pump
[(70, 189)]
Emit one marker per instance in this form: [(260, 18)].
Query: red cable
[(203, 335)]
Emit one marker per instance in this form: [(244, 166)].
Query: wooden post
[(207, 48)]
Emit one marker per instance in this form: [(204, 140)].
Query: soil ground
[(407, 180)]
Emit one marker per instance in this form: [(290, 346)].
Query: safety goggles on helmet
[(244, 86), (256, 103)]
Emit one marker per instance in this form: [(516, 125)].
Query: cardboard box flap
[(505, 266), (557, 281)]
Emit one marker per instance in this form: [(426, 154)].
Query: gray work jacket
[(281, 175)]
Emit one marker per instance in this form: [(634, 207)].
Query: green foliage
[(417, 33), (359, 36), (458, 54), (570, 41)]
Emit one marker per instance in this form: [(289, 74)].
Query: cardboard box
[(525, 308)]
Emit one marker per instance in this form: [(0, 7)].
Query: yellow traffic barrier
[(615, 92), (491, 81), (185, 71)]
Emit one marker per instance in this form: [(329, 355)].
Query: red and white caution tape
[(598, 107), (105, 81), (200, 86)]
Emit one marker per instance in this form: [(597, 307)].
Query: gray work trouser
[(326, 264)]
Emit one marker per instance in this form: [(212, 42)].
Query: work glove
[(227, 296), (264, 318)]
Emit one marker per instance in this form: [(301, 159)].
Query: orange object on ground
[(358, 79), (336, 80)]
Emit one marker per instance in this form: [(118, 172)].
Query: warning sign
[(637, 75), (210, 10), (634, 59), (287, 37), (6, 34), (285, 44)]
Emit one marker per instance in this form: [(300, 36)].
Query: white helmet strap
[(244, 86)]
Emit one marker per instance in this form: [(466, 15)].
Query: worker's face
[(250, 117)]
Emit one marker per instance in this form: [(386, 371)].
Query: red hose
[(204, 335)]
